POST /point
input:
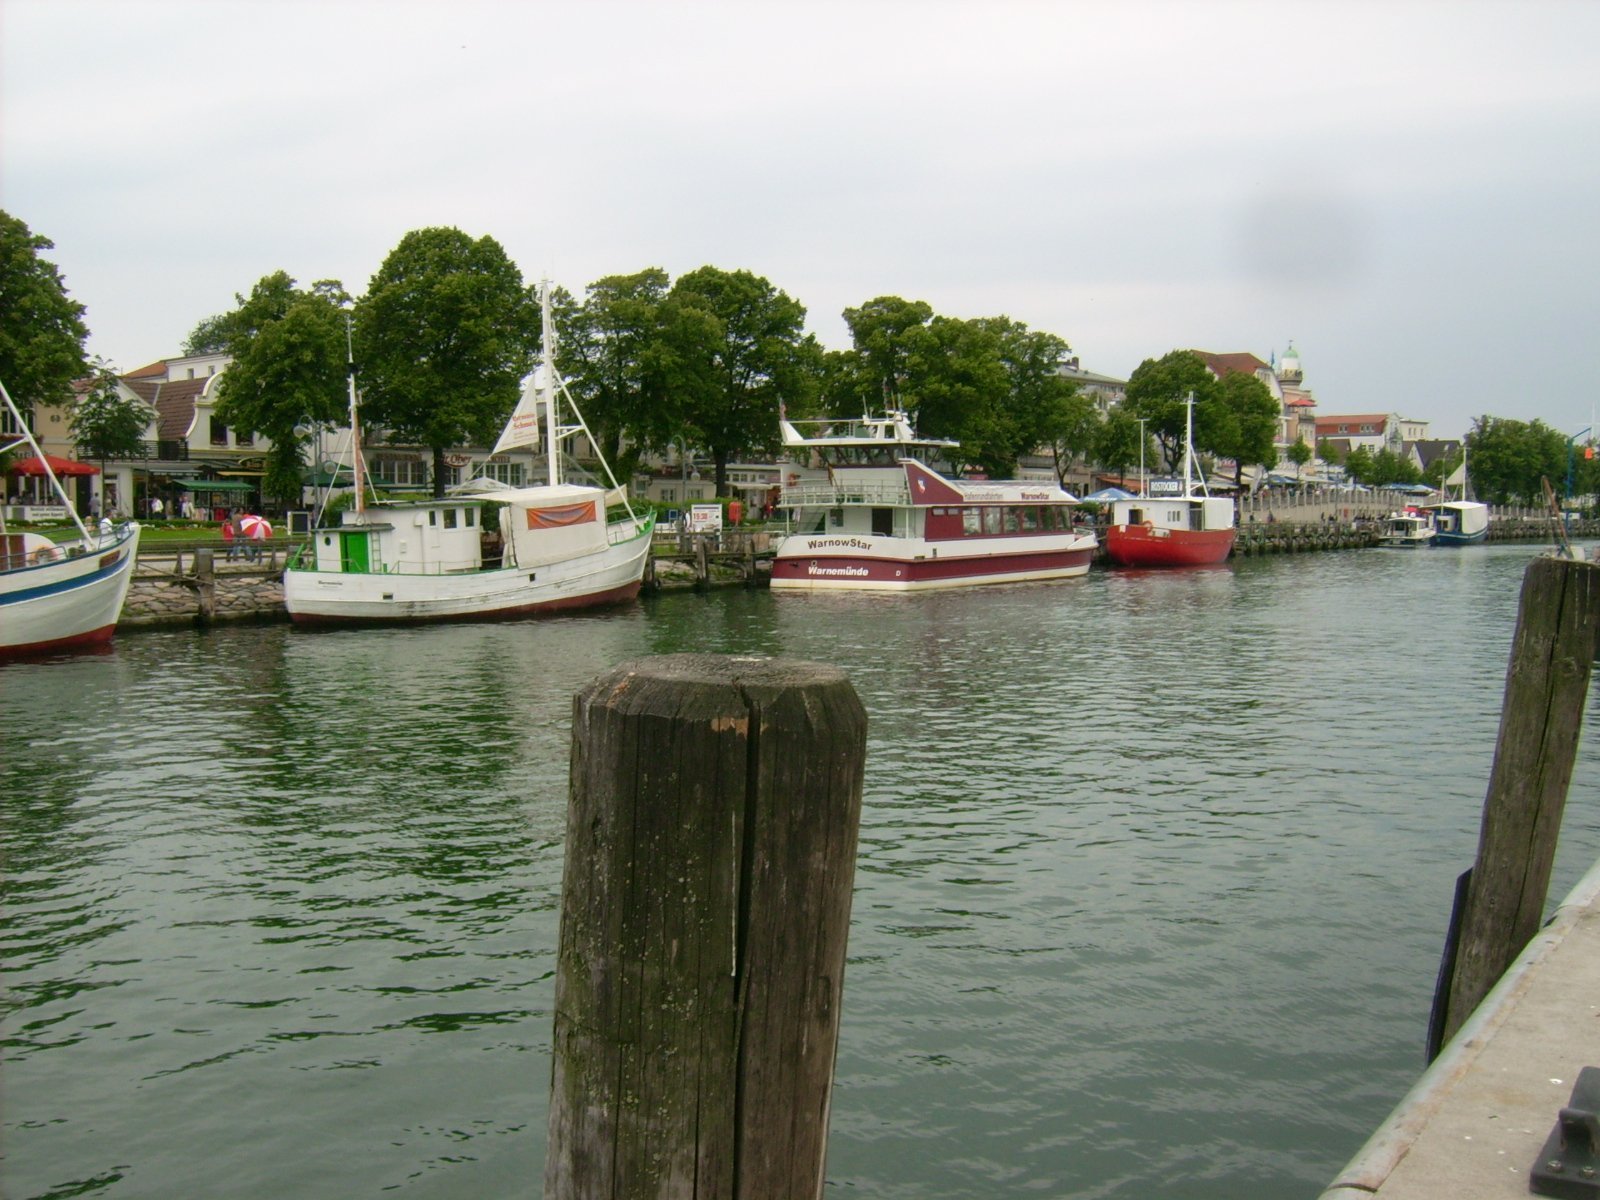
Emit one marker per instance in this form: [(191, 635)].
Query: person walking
[(227, 537)]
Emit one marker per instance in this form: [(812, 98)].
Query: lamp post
[(1572, 456)]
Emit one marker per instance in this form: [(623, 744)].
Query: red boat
[(1180, 529)]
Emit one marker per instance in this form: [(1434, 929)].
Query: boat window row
[(996, 520), (453, 517)]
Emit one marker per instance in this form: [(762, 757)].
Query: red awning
[(61, 466)]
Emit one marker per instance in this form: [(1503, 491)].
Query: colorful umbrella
[(61, 466), (254, 527)]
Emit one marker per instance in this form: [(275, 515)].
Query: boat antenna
[(546, 389), (357, 472), (1190, 472), (546, 382), (24, 434)]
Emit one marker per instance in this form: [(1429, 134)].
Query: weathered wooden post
[(711, 839), (702, 562), (205, 586), (1547, 683)]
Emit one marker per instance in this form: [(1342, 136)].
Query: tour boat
[(1407, 530), (872, 515), (559, 545), (1180, 529), (65, 595)]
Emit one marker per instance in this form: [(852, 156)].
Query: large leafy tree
[(892, 343), (105, 422), (444, 336), (733, 350), (1241, 422), (1157, 390), (42, 331), (609, 353), (290, 356), (1076, 433), (1116, 444), (1510, 458)]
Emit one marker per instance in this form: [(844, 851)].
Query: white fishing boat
[(1407, 530), (872, 515), (59, 595), (504, 553)]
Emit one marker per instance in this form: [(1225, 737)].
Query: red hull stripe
[(78, 641), (592, 600), (844, 569)]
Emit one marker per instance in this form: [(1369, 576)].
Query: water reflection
[(1140, 850)]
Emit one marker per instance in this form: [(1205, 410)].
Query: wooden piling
[(1547, 683), (711, 838), (205, 586)]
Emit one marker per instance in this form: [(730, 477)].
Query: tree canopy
[(289, 349), (1508, 459), (733, 348), (444, 337), (43, 334), (104, 422), (1157, 391), (611, 356)]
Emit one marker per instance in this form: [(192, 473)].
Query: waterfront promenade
[(1477, 1120)]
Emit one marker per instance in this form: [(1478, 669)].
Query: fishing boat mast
[(546, 382), (24, 434), (355, 421)]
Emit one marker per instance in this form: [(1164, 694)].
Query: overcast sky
[(1407, 190)]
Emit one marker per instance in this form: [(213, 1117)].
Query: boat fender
[(45, 553)]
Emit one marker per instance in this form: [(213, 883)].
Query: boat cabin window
[(1136, 516), (433, 516), (1030, 519), (449, 518), (836, 518), (472, 517), (1010, 520), (971, 521), (883, 522), (991, 520)]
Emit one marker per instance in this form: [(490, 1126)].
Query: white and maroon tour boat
[(871, 514)]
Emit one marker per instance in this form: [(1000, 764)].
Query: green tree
[(1441, 468), (892, 340), (1117, 445), (733, 349), (1390, 467), (444, 337), (104, 422), (1510, 459), (1240, 422), (1077, 434), (1358, 465), (1300, 455), (42, 333), (609, 355), (1157, 390), (290, 356)]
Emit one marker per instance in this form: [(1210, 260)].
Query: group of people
[(242, 543)]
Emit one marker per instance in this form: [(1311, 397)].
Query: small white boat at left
[(64, 595)]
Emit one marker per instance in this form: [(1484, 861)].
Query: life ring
[(45, 554), (1149, 525)]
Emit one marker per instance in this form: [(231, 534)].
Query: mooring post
[(711, 839), (1547, 682), (702, 562), (205, 586)]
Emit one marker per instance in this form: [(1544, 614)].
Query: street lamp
[(1142, 488)]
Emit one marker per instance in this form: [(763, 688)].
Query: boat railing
[(828, 495)]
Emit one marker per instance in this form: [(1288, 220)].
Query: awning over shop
[(216, 485), (61, 466)]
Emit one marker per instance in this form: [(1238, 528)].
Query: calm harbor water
[(1153, 877)]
